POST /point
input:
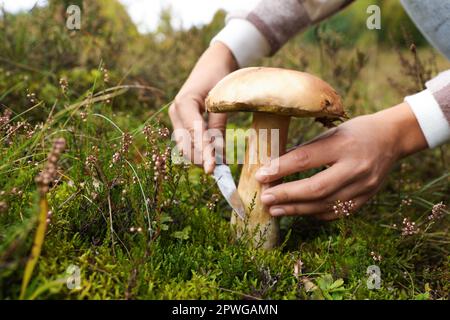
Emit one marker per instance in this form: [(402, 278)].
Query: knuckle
[(178, 101), (301, 158), (372, 183), (317, 189), (347, 141), (172, 110), (187, 99), (177, 104), (283, 196), (365, 167)]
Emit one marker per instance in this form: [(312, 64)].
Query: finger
[(177, 134), (182, 137), (215, 136), (333, 211), (189, 110), (314, 155), (321, 136), (353, 191), (319, 186)]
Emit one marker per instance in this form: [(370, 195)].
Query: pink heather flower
[(116, 157), (127, 140), (5, 118), (63, 84), (105, 74), (49, 217), (437, 212), (343, 208), (375, 256), (212, 203), (90, 162), (407, 202), (409, 228), (48, 175), (83, 115), (163, 132), (153, 134), (298, 266), (159, 162), (32, 97)]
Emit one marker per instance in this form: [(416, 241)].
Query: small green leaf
[(325, 281), (164, 227), (183, 234), (336, 284), (165, 218)]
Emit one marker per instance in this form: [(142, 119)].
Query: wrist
[(430, 116), (244, 40), (215, 63), (403, 131), (219, 51)]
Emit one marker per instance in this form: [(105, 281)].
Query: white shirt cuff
[(244, 40), (431, 119)]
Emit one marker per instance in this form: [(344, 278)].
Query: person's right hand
[(186, 112)]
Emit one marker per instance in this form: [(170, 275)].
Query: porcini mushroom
[(274, 96)]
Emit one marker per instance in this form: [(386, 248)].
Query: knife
[(225, 182)]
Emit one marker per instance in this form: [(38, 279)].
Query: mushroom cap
[(274, 90)]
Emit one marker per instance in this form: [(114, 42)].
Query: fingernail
[(277, 211), (267, 198), (262, 174)]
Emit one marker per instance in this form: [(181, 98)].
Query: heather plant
[(130, 223)]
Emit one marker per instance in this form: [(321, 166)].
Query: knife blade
[(225, 182)]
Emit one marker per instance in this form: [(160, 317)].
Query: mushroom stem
[(259, 223)]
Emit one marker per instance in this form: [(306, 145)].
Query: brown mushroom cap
[(274, 90)]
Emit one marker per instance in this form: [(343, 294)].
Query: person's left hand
[(359, 154)]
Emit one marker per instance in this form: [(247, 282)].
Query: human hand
[(359, 154), (186, 112)]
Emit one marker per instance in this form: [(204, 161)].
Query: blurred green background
[(194, 255), (38, 44)]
